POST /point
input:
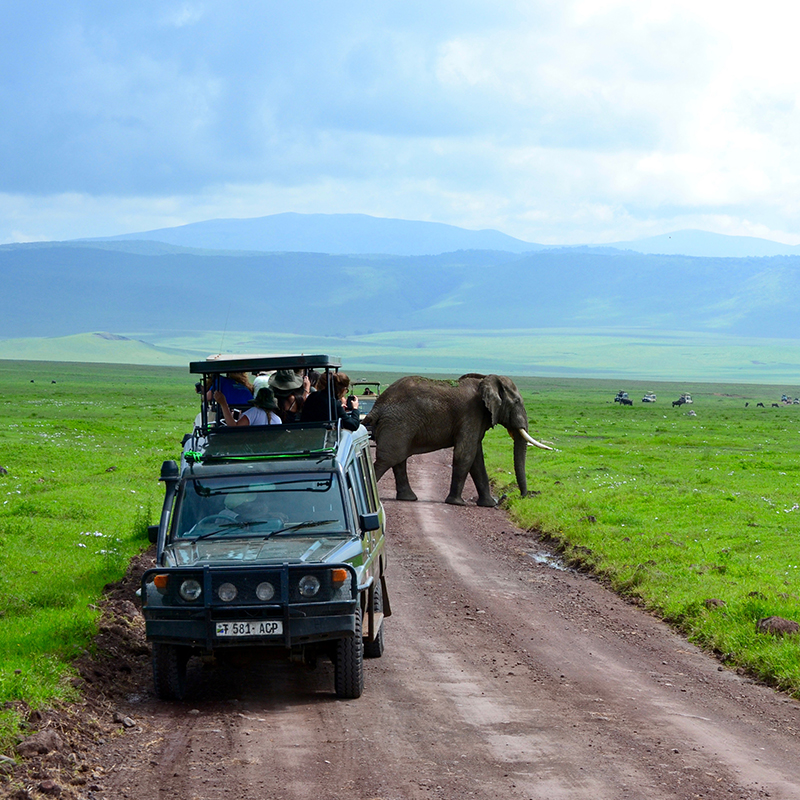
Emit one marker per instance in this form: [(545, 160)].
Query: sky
[(555, 121)]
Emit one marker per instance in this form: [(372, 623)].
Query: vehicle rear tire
[(375, 649), (169, 670), (348, 664)]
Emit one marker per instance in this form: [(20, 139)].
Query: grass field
[(669, 508), (82, 445), (601, 353), (675, 509)]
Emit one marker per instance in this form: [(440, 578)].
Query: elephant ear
[(492, 396)]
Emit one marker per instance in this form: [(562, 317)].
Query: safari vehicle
[(649, 397), (620, 396), (271, 541), (686, 397), (367, 393)]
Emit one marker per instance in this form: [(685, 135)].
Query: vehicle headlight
[(308, 586), (265, 591), (227, 592), (190, 590)]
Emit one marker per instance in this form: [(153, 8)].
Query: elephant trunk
[(520, 451)]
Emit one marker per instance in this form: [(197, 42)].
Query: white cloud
[(183, 15), (553, 121)]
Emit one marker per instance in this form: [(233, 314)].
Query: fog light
[(308, 586), (265, 591), (227, 592), (190, 590)]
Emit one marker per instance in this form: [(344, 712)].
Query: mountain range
[(344, 234), (124, 287)]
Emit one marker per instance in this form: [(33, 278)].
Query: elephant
[(420, 415)]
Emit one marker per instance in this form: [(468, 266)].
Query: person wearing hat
[(263, 407), (289, 388)]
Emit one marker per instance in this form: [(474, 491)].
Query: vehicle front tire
[(375, 649), (169, 670), (348, 664)]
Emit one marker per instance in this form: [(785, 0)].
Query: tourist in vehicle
[(262, 411), (318, 407), (290, 391), (235, 386)]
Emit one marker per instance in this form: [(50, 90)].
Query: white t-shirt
[(258, 416)]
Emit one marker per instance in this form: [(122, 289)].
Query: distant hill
[(335, 234), (361, 234), (63, 289), (712, 245)]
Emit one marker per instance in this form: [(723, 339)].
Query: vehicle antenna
[(225, 328)]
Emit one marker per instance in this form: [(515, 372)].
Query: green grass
[(588, 353), (83, 457), (674, 509), (668, 508)]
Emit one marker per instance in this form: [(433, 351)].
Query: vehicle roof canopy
[(222, 363)]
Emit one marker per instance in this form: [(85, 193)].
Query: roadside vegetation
[(674, 508), (670, 509), (82, 446)]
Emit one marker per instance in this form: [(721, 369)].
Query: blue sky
[(569, 121)]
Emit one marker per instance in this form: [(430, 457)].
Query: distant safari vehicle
[(687, 398), (650, 397), (367, 393), (620, 397)]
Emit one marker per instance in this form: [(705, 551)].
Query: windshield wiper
[(311, 523), (267, 534), (232, 524)]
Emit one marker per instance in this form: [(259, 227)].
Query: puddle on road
[(549, 560)]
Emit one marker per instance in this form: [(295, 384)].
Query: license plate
[(264, 627)]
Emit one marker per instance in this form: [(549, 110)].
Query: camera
[(198, 387)]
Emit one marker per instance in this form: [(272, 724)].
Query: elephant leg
[(463, 457), (481, 480), (401, 483)]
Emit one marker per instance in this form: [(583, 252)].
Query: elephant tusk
[(531, 441)]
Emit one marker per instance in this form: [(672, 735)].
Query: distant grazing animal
[(746, 404), (775, 405), (626, 401), (679, 402), (759, 405)]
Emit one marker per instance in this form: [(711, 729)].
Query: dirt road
[(503, 677)]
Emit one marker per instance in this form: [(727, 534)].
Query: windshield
[(365, 404), (293, 504)]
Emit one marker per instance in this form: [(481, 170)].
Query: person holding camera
[(325, 405)]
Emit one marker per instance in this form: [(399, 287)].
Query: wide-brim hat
[(285, 381), (263, 396)]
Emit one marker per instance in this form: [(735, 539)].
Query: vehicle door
[(364, 494)]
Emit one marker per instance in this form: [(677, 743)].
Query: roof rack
[(218, 364)]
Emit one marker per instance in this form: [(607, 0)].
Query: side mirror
[(370, 522), (169, 471), (152, 533)]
